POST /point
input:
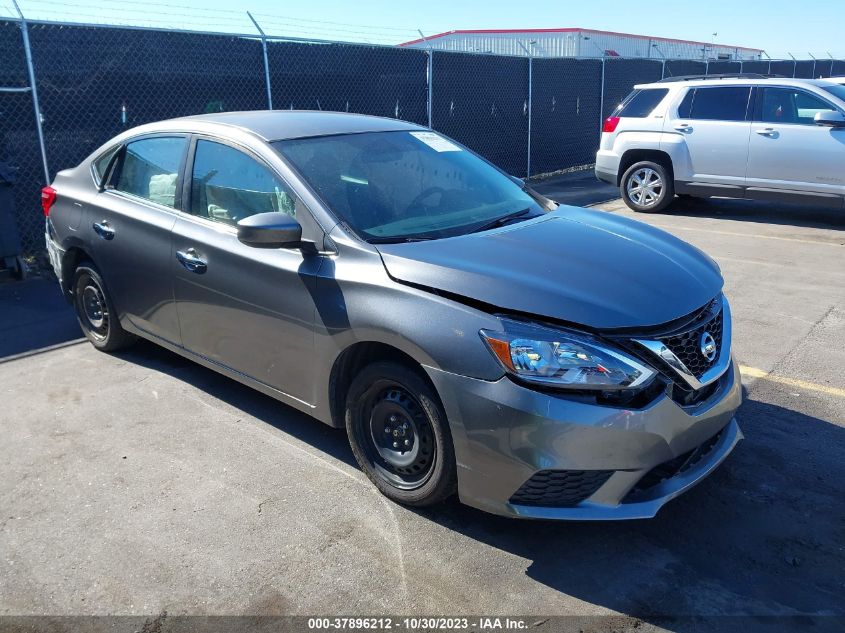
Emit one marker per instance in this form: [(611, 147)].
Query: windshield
[(837, 90), (398, 186)]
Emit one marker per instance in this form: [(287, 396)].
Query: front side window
[(228, 185), (396, 186), (150, 169), (728, 103), (837, 90), (641, 103), (789, 105)]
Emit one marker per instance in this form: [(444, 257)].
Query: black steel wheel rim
[(396, 435), (92, 308)]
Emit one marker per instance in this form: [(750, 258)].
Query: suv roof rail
[(718, 76)]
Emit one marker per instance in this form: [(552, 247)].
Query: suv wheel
[(399, 434), (646, 187), (95, 311)]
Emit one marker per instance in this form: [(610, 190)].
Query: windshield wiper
[(492, 224), (397, 239)]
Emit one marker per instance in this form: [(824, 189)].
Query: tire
[(653, 198), (389, 405), (95, 311)]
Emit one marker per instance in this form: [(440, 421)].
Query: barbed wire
[(206, 18)]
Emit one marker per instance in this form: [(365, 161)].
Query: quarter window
[(788, 105), (228, 185), (150, 169), (728, 103), (101, 164), (641, 103)]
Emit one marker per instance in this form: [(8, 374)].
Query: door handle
[(191, 261), (684, 127), (104, 230), (769, 131)]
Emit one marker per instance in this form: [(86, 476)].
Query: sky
[(811, 27)]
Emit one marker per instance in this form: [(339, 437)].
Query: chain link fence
[(528, 116), (381, 81), (482, 102)]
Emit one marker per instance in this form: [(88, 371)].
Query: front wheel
[(399, 434), (646, 187)]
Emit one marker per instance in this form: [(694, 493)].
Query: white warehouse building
[(576, 42)]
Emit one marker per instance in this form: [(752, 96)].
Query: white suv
[(739, 136)]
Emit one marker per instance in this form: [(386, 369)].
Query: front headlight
[(563, 358)]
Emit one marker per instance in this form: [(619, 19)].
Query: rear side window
[(641, 103), (150, 169), (728, 103)]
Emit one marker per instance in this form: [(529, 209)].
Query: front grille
[(673, 467), (560, 488), (687, 345)]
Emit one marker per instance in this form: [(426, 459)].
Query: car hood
[(585, 267)]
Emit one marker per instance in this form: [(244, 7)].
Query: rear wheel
[(399, 434), (95, 311), (646, 187)]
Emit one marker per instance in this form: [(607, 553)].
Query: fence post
[(266, 61), (429, 71), (31, 72), (530, 106), (663, 69), (430, 100), (601, 100)]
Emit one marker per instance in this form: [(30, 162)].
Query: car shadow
[(762, 536), (331, 441), (758, 212)]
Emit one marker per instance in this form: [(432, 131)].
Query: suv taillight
[(48, 197), (610, 124)]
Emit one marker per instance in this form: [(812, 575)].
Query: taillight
[(48, 197), (610, 124)]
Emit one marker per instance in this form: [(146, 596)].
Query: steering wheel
[(425, 193)]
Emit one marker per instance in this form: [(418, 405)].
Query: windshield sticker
[(436, 142)]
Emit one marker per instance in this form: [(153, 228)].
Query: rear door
[(789, 151), (248, 309), (130, 224), (713, 123)]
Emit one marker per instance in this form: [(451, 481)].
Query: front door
[(714, 126), (788, 150), (248, 309), (130, 224)]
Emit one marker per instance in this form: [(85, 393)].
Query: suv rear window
[(728, 103), (641, 103)]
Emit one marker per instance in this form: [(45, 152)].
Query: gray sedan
[(472, 336)]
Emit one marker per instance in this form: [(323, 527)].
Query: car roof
[(733, 81), (274, 125)]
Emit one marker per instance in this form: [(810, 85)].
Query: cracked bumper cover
[(504, 433)]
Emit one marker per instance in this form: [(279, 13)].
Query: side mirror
[(270, 230), (830, 118)]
